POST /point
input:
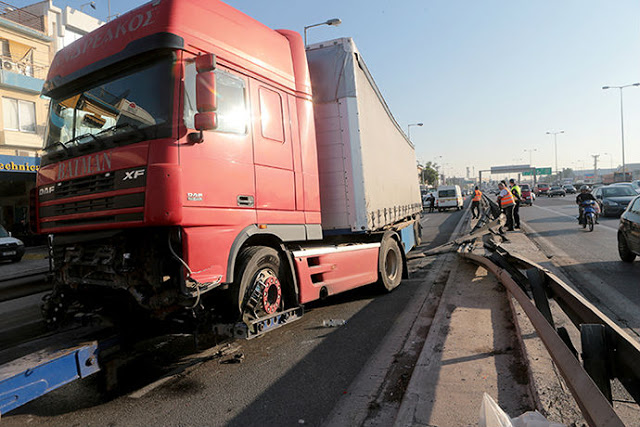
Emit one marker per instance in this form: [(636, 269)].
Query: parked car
[(527, 195), (541, 188), (556, 191), (613, 199), (629, 232), (569, 189), (10, 247)]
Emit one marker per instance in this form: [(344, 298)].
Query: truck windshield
[(133, 103)]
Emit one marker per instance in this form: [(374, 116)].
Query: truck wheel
[(260, 275), (390, 264)]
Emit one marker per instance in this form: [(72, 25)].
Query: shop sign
[(19, 164)]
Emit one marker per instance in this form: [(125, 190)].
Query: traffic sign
[(539, 171)]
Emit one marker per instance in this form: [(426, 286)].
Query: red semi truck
[(187, 168)]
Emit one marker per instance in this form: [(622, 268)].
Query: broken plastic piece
[(332, 323), (491, 415)]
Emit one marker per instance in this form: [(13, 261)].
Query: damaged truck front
[(181, 172)]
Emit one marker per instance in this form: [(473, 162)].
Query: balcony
[(22, 75)]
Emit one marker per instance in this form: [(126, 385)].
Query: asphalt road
[(589, 259), (294, 375)]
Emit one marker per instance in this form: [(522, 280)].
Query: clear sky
[(488, 78)]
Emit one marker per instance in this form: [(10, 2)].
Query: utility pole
[(595, 166)]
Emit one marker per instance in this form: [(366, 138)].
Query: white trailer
[(367, 165)]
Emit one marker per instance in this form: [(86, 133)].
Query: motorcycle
[(589, 211)]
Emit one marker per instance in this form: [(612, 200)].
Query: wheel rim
[(391, 265), (267, 293)]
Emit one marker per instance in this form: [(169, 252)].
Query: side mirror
[(205, 121), (206, 92), (206, 97)]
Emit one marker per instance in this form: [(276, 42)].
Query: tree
[(429, 173)]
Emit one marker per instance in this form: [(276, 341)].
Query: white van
[(449, 196)]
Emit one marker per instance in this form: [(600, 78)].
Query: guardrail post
[(595, 356), (537, 281)]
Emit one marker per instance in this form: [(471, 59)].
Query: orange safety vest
[(507, 200), (478, 196)]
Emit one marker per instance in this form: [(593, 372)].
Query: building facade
[(29, 38)]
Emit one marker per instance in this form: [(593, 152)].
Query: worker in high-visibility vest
[(475, 203), (506, 202), (517, 196)]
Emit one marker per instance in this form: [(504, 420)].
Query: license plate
[(8, 253)]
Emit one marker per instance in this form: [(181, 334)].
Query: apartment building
[(29, 38)]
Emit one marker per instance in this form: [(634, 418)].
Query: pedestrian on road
[(517, 195), (475, 203), (506, 202), (432, 202)]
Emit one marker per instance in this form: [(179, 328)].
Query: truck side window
[(271, 114), (232, 111)]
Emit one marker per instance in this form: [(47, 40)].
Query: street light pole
[(555, 144), (624, 175), (409, 128), (331, 22), (530, 150)]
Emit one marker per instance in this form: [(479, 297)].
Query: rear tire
[(623, 249), (390, 264)]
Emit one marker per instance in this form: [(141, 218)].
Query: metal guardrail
[(32, 283), (608, 352)]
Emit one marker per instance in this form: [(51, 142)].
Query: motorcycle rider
[(585, 194)]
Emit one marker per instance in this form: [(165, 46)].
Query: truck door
[(219, 171), (272, 151)]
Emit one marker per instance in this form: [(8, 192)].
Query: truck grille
[(93, 184), (85, 185), (94, 205)]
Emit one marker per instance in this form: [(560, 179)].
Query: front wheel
[(623, 249), (390, 264), (590, 222), (259, 275)]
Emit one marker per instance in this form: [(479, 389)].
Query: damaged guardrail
[(608, 352)]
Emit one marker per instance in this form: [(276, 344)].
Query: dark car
[(556, 191), (527, 197), (541, 188), (613, 199), (10, 247), (570, 189), (629, 232)]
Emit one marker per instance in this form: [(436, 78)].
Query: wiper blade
[(60, 143), (118, 126)]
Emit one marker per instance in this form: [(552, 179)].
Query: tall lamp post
[(530, 150), (331, 22), (621, 121), (409, 128), (555, 144)]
